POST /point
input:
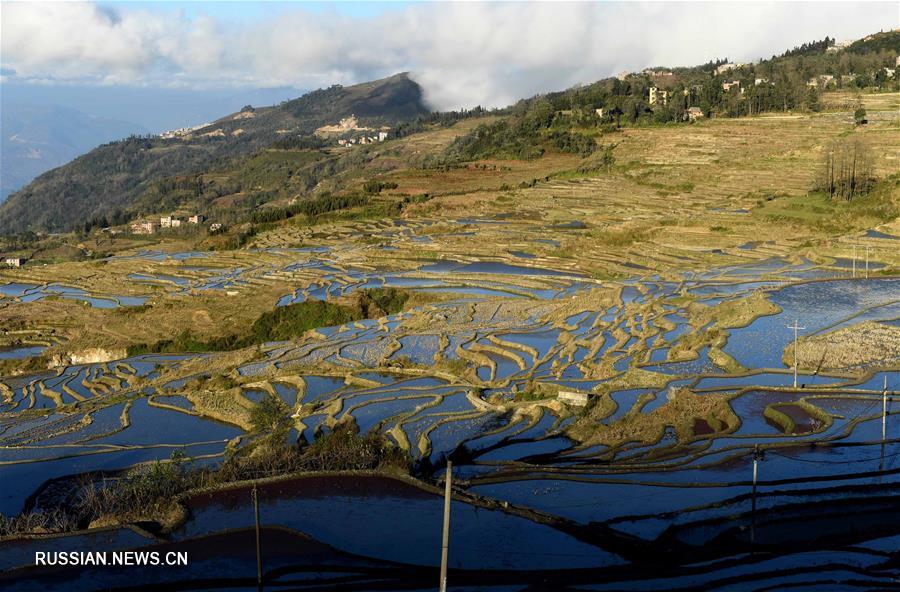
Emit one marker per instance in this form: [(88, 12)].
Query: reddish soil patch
[(702, 427)]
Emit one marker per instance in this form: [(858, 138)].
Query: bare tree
[(846, 172)]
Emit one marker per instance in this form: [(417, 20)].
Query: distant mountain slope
[(222, 165), (114, 175), (37, 138)]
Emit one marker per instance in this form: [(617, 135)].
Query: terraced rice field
[(684, 376), (669, 325)]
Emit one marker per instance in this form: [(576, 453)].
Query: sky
[(464, 54)]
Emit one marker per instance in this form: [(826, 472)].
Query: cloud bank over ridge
[(463, 54)]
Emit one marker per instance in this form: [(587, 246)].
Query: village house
[(215, 227), (14, 261), (196, 219), (574, 398), (838, 46), (889, 72), (727, 68), (759, 81), (143, 228), (848, 78), (727, 86), (658, 96), (170, 222), (694, 113), (600, 112), (382, 136)]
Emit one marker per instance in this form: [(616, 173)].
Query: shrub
[(343, 449), (39, 522), (271, 416), (389, 300), (374, 186), (286, 322)]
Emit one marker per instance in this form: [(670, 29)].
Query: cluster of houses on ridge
[(352, 133), (150, 227), (380, 137), (182, 131), (659, 96)]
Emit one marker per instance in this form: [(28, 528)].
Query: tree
[(812, 100), (846, 172), (859, 116), (270, 416)]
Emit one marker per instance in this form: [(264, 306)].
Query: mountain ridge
[(113, 175)]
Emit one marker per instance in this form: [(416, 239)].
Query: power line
[(834, 462)]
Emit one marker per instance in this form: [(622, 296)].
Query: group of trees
[(311, 207), (437, 118), (846, 171), (525, 134), (813, 47), (115, 218)]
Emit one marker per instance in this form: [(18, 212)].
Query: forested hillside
[(114, 175)]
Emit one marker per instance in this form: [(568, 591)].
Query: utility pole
[(867, 261), (757, 456), (884, 411), (445, 541), (255, 495), (854, 260), (796, 327)]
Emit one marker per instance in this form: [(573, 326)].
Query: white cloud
[(463, 53)]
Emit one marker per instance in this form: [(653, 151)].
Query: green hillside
[(113, 176)]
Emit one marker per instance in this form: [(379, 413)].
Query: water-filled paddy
[(353, 513), (513, 337)]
